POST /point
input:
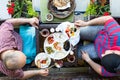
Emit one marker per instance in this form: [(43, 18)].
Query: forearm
[(98, 21), (18, 21), (95, 66), (30, 73)]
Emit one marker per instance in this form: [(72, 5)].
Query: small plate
[(42, 60), (71, 31)]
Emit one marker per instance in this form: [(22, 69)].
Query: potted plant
[(21, 8), (98, 8)]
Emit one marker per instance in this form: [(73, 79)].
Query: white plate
[(59, 52), (74, 39), (43, 56)]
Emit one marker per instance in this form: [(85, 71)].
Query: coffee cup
[(71, 58), (44, 32)]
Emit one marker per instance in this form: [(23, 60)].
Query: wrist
[(87, 23), (88, 60), (28, 20)]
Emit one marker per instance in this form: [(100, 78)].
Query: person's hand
[(44, 72), (34, 22), (80, 23), (85, 56)]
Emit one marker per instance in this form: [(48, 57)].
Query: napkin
[(29, 42), (73, 40)]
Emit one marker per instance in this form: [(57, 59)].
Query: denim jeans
[(89, 34)]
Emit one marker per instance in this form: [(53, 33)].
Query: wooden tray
[(61, 13)]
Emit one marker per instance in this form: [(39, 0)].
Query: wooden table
[(40, 44), (40, 41)]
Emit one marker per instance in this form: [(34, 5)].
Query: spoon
[(58, 64), (51, 66)]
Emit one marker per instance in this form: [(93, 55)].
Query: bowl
[(49, 17), (42, 60)]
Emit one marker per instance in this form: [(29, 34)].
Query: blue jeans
[(89, 34)]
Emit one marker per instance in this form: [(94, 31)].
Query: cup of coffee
[(44, 32), (71, 58)]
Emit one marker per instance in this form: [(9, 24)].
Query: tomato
[(50, 40), (43, 61), (67, 29)]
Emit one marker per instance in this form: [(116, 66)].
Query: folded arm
[(19, 21)]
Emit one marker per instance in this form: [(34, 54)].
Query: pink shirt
[(9, 39), (108, 39)]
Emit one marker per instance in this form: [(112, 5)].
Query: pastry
[(60, 3)]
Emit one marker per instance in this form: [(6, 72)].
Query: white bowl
[(40, 57), (49, 17)]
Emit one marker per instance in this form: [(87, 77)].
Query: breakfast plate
[(71, 31), (57, 46), (42, 60)]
